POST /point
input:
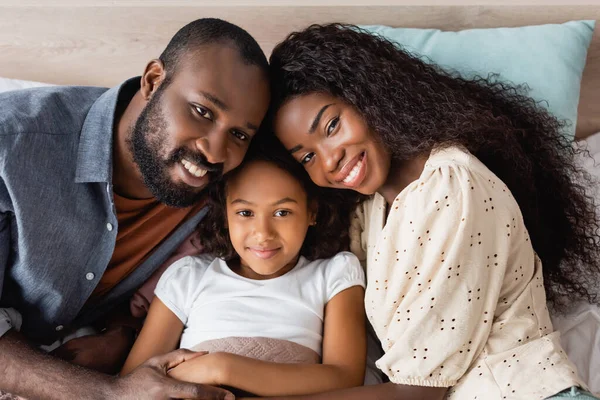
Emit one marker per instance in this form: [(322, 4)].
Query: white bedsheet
[(580, 327), (580, 336)]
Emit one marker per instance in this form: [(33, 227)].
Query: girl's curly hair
[(327, 237), (414, 106)]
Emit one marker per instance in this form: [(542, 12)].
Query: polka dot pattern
[(455, 291)]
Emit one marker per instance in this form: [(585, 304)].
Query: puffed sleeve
[(437, 274), (342, 272), (178, 285)]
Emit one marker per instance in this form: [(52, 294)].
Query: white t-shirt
[(213, 302)]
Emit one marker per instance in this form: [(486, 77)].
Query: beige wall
[(103, 42)]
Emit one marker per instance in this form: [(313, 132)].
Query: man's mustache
[(200, 160)]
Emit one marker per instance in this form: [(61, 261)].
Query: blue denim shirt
[(58, 223)]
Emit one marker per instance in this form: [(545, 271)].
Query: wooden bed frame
[(91, 42)]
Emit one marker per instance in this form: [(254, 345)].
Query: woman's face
[(333, 142)]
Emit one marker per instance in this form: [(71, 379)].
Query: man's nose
[(214, 146)]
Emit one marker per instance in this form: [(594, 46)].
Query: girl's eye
[(240, 135), (282, 213), (332, 125), (307, 158), (244, 213), (204, 113)]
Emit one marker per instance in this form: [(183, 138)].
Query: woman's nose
[(332, 158)]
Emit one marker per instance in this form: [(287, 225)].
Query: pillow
[(7, 84), (548, 58)]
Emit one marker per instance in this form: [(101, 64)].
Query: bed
[(104, 42)]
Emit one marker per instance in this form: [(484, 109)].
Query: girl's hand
[(208, 369)]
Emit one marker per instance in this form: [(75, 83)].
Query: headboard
[(85, 43)]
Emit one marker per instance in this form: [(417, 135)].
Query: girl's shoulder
[(189, 267), (343, 258), (343, 265)]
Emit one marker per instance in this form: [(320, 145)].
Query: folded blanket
[(262, 348)]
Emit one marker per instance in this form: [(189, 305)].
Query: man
[(97, 188)]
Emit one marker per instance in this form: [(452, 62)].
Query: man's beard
[(146, 142)]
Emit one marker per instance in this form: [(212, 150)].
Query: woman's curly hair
[(414, 106), (327, 237)]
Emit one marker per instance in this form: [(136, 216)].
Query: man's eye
[(204, 113), (244, 213), (307, 158), (282, 213)]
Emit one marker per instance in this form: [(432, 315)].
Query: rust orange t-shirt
[(143, 225)]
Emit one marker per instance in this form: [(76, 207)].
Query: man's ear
[(154, 75)]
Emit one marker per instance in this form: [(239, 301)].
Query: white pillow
[(7, 84)]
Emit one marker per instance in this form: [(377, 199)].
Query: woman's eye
[(307, 158), (282, 213), (240, 135), (204, 113), (244, 213), (332, 125)]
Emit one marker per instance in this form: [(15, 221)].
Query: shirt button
[(109, 227), (90, 276), (59, 328)]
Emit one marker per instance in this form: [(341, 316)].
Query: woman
[(474, 189)]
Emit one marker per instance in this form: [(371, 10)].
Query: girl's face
[(268, 216), (333, 142)]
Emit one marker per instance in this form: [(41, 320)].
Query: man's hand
[(150, 381), (208, 369), (105, 352)]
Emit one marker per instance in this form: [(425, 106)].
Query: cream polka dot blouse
[(455, 290)]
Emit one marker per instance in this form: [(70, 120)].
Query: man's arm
[(27, 372), (104, 352), (30, 373)]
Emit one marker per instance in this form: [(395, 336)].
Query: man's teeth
[(353, 173), (194, 169)]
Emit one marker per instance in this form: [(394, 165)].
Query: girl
[(280, 274), (473, 190)]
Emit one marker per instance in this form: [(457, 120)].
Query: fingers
[(174, 358), (183, 390)]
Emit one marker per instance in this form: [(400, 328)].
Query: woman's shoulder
[(455, 156), (459, 158)]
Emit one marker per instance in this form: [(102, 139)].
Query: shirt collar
[(94, 157)]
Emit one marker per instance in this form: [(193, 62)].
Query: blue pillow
[(548, 58)]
